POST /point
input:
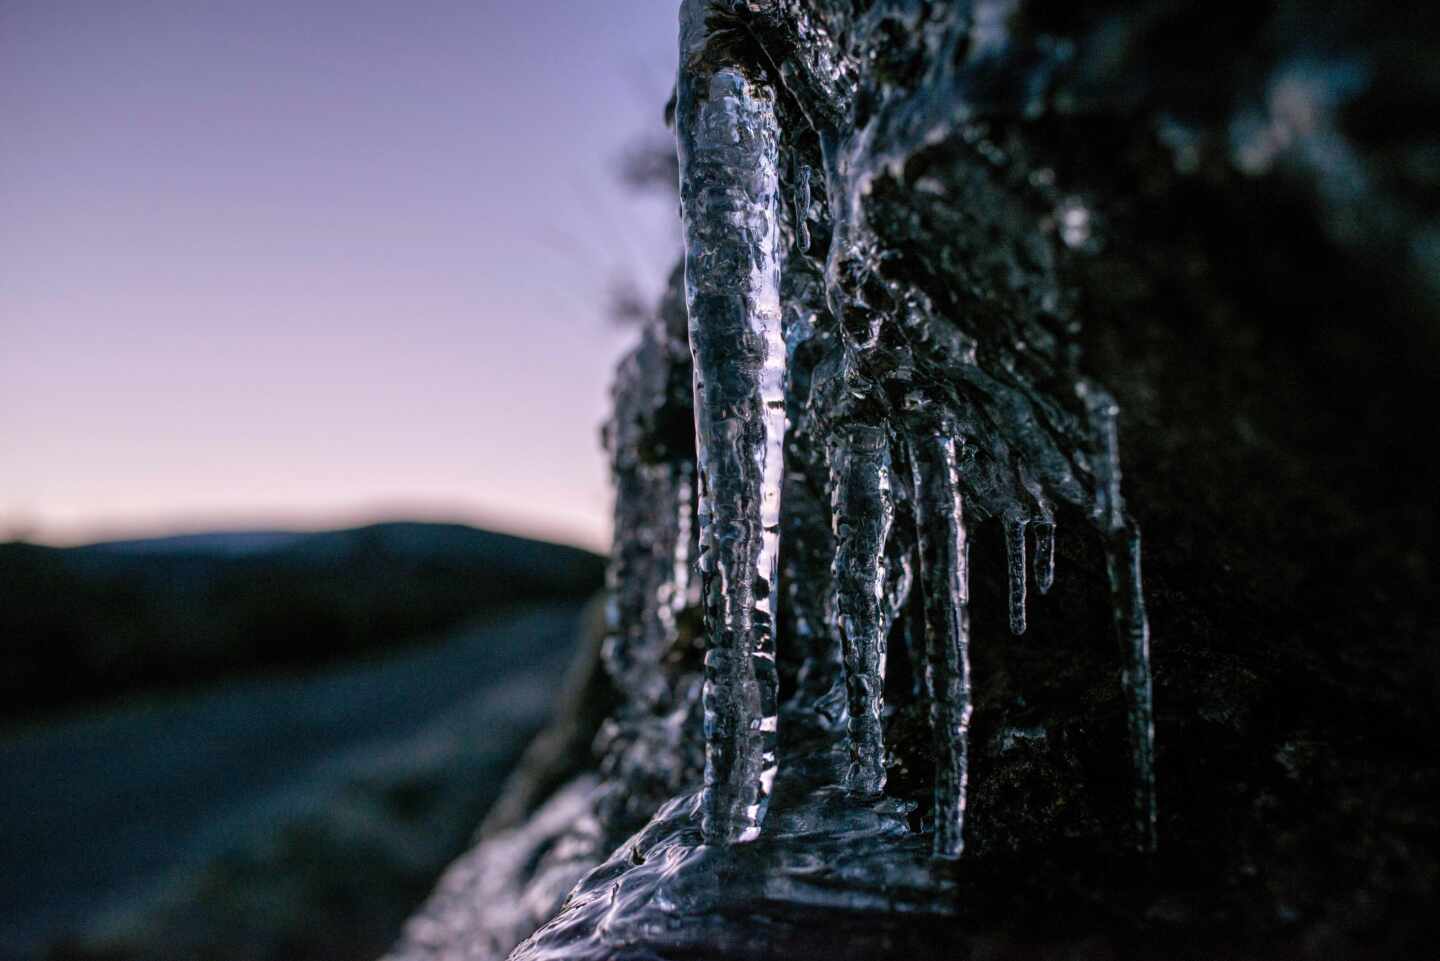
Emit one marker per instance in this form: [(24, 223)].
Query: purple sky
[(306, 262)]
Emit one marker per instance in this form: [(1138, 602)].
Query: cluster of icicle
[(867, 355), (912, 408)]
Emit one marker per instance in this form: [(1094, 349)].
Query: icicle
[(1127, 601), (862, 510), (644, 574), (1044, 555), (728, 145), (1122, 555), (945, 581), (1015, 562), (631, 579), (802, 209)]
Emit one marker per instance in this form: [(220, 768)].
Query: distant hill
[(89, 622)]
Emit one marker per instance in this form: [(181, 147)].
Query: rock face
[(1013, 244)]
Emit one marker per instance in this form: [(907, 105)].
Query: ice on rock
[(802, 209), (1122, 557), (1044, 555), (648, 577), (873, 324), (863, 509), (728, 143), (1127, 601), (945, 585), (880, 366), (1015, 562)]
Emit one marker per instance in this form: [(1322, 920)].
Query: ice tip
[(1044, 556)]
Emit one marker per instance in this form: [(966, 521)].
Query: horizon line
[(42, 534)]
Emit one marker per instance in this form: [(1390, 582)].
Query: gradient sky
[(307, 262)]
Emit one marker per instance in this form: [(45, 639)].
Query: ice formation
[(977, 415), (728, 145), (945, 579), (937, 217), (844, 390), (862, 509)]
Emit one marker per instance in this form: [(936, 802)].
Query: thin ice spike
[(862, 510), (945, 584), (1133, 628), (1015, 562), (1044, 555)]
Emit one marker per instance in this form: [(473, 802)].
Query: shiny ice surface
[(851, 424), (728, 143)]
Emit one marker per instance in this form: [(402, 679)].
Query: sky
[(301, 264)]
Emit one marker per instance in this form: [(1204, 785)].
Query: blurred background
[(308, 313)]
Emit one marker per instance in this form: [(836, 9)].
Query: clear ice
[(1044, 555), (862, 509), (872, 326), (945, 584), (728, 143), (894, 369), (1015, 561)]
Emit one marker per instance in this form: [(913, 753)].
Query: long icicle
[(1122, 557), (1044, 555), (945, 581), (862, 509), (728, 145), (1127, 600)]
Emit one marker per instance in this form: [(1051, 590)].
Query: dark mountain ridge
[(120, 617)]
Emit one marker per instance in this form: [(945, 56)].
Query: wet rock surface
[(1001, 223)]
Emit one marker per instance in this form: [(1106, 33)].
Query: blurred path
[(93, 808)]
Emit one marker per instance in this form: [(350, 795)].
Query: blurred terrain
[(263, 743), (126, 616)]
